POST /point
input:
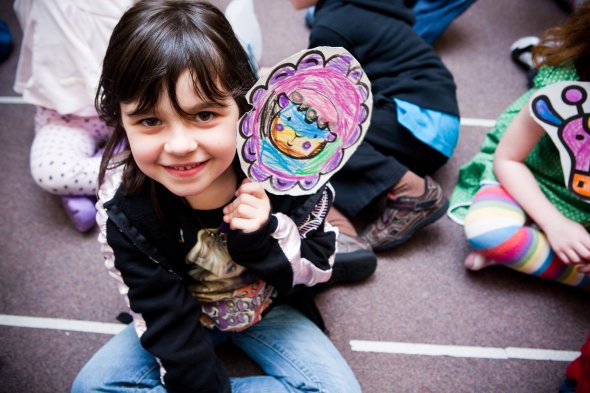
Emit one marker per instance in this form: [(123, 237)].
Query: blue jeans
[(294, 353)]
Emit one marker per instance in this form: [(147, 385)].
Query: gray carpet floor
[(55, 294)]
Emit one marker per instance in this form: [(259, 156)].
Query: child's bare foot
[(475, 261)]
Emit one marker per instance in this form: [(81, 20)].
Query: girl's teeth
[(184, 168)]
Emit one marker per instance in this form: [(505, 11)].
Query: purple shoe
[(81, 211)]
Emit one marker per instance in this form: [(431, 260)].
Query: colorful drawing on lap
[(563, 110), (309, 114)]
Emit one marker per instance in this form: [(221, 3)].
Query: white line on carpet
[(12, 100), (61, 324), (462, 351), (356, 345), (472, 122)]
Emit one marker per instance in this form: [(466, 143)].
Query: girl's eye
[(151, 122), (204, 116)]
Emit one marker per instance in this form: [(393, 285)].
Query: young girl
[(203, 255), (528, 219), (60, 62)]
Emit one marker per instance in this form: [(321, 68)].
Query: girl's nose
[(180, 142)]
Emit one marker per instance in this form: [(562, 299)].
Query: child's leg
[(295, 354), (121, 365), (63, 153), (495, 228), (65, 161)]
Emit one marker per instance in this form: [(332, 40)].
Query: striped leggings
[(497, 228)]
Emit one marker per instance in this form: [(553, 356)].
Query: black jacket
[(149, 253), (397, 61)]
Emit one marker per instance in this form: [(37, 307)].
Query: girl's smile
[(189, 153), (185, 170)]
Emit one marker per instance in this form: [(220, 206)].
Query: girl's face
[(191, 157)]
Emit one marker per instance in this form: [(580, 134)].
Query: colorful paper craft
[(563, 110), (309, 114)]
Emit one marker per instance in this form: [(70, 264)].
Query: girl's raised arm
[(569, 240)]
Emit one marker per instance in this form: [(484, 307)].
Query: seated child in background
[(60, 59), (415, 123), (517, 209), (432, 16)]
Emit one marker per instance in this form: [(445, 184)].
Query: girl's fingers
[(244, 211), (250, 209), (245, 217), (243, 225), (563, 257), (583, 252), (246, 200), (574, 258), (575, 253), (252, 188)]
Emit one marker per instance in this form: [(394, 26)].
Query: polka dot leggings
[(65, 155)]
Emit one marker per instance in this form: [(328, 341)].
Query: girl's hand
[(250, 210), (570, 241), (584, 268)]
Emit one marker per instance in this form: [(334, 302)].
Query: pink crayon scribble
[(307, 118)]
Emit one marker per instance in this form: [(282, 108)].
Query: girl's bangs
[(158, 73)]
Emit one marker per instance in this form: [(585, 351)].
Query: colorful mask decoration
[(563, 110), (309, 114)]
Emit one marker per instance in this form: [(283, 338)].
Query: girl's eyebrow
[(200, 106), (206, 105), (135, 111)]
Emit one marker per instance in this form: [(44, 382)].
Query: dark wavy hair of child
[(149, 49)]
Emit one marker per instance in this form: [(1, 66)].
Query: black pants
[(388, 151)]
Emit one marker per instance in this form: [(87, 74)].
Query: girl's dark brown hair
[(568, 43), (153, 43)]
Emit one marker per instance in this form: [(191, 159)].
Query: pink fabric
[(304, 272)]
